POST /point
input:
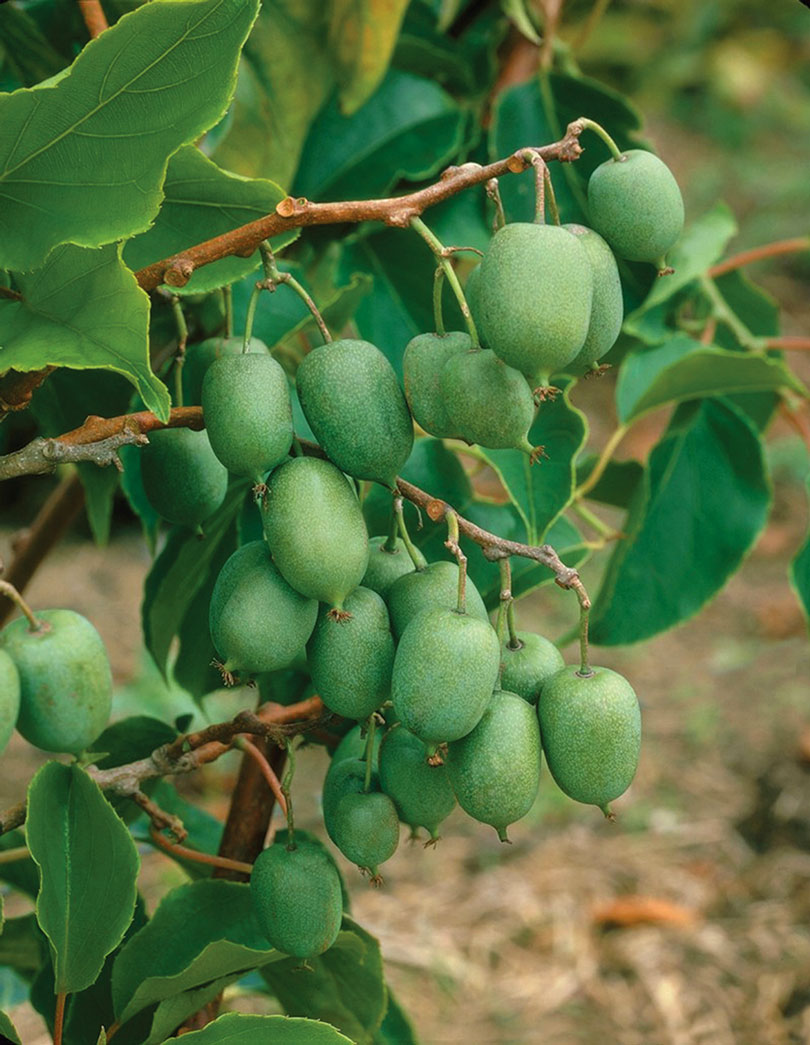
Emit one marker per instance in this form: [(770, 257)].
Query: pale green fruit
[(422, 365), (527, 666), (9, 698), (432, 587), (607, 309)]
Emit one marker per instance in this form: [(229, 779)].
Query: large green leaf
[(410, 128), (23, 947), (200, 934), (618, 483), (25, 51), (84, 310), (396, 1028), (202, 201), (7, 1029), (179, 572), (345, 988), (800, 574), (362, 34), (704, 501), (88, 867), (285, 76), (542, 490), (237, 1029), (682, 368), (83, 161)]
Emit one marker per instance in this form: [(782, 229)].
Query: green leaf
[(541, 491), (362, 34), (757, 309), (132, 487), (345, 988), (83, 310), (237, 1029), (285, 76), (201, 933), (682, 369), (179, 572), (410, 128), (7, 1029), (701, 244), (83, 161), (396, 1028), (702, 506), (202, 201), (88, 866), (799, 573), (23, 947), (618, 483)]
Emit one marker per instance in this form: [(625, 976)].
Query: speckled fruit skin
[(351, 660), (346, 777), (444, 673), (247, 411), (422, 364), (200, 356), (591, 730), (9, 698), (526, 669), (353, 745), (182, 477), (65, 680), (533, 298), (635, 204), (434, 587), (421, 792), (297, 898), (607, 308), (489, 403), (315, 528), (385, 567), (352, 400), (366, 828), (257, 621), (495, 769)]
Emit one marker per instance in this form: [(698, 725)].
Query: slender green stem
[(724, 314), (286, 785), (11, 592), (274, 277), (417, 558), (494, 193), (604, 460), (251, 312), (368, 754), (390, 544), (438, 284), (594, 521), (452, 543), (585, 669), (552, 199), (438, 249), (539, 165), (9, 856), (592, 125), (227, 295), (180, 358)]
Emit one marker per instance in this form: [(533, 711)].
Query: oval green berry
[(384, 566), (607, 309), (435, 586), (421, 792), (366, 828), (183, 479), (422, 364), (201, 355), (9, 698), (525, 668)]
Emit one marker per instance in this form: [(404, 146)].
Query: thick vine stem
[(191, 751)]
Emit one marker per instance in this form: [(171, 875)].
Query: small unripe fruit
[(183, 479), (488, 402), (528, 666), (422, 364), (421, 792), (200, 356), (384, 566), (9, 698), (352, 400), (258, 621), (248, 414), (533, 298), (366, 828), (607, 309), (495, 769), (434, 587), (351, 660), (591, 730), (297, 898), (635, 203), (65, 680), (346, 777), (315, 528), (445, 669), (353, 745)]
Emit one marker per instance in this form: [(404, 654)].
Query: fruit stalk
[(286, 788), (438, 284), (11, 592), (368, 754), (439, 250), (417, 558), (274, 276), (585, 670), (583, 123), (452, 545), (180, 357)]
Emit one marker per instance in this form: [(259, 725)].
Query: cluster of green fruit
[(55, 681)]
